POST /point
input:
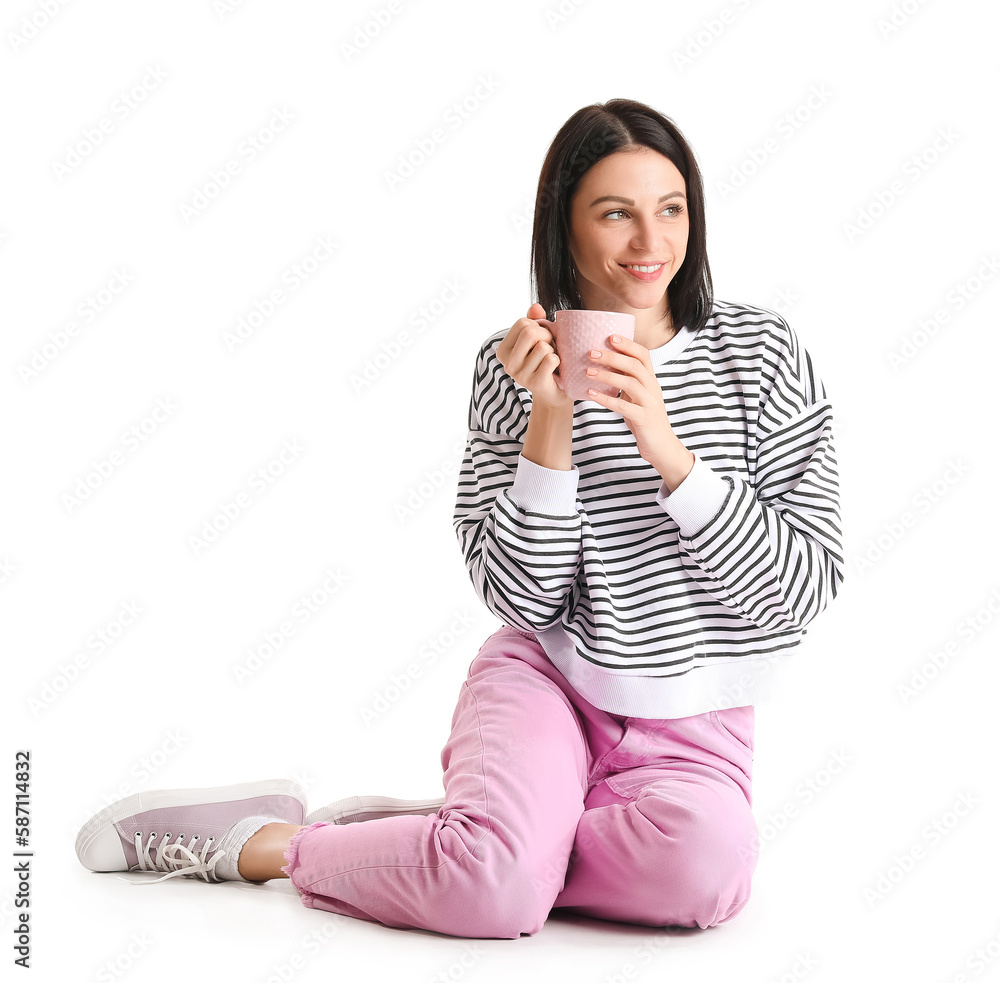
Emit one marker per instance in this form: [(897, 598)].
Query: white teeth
[(643, 269)]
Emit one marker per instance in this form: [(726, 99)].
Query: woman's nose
[(646, 237)]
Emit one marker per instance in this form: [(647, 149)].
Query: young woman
[(654, 557)]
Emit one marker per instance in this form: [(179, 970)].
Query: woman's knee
[(503, 902), (713, 854)]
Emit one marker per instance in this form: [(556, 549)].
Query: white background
[(892, 128)]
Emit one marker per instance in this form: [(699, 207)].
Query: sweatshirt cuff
[(547, 490), (697, 500)]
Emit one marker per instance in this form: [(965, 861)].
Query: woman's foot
[(191, 832)]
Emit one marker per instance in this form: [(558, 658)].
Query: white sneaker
[(359, 808), (178, 831)]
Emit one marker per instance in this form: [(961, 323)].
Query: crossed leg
[(662, 835)]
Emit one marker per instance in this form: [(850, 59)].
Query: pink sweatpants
[(551, 803)]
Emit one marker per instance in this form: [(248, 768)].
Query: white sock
[(233, 842)]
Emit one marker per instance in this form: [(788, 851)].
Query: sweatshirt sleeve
[(771, 548), (518, 523)]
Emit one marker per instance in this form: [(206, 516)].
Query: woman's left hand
[(629, 368)]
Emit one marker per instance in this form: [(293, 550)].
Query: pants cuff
[(292, 858)]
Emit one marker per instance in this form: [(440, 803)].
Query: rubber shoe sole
[(360, 808)]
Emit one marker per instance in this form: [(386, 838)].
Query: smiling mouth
[(646, 272)]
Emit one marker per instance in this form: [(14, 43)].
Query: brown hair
[(589, 135)]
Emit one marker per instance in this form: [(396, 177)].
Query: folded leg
[(491, 862)]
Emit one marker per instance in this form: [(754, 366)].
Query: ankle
[(263, 854)]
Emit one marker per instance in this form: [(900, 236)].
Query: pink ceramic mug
[(574, 334)]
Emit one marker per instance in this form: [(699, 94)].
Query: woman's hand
[(628, 367), (529, 358)]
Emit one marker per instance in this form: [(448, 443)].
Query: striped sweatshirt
[(654, 603)]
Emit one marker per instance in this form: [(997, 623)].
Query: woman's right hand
[(527, 353)]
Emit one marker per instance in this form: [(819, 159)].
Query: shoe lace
[(177, 857)]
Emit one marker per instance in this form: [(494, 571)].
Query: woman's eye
[(674, 209)]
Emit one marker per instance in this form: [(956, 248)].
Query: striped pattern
[(631, 590)]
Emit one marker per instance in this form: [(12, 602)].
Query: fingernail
[(615, 338)]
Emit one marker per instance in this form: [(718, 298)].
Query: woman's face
[(629, 209)]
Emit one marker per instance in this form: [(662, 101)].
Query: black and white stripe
[(616, 571)]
